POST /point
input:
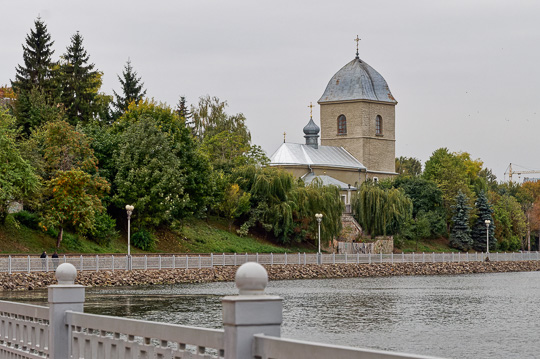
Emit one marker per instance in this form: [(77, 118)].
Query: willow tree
[(317, 198), (381, 211)]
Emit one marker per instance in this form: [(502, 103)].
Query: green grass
[(427, 246), (195, 236)]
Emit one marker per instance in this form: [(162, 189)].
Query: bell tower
[(358, 114)]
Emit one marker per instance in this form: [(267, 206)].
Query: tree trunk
[(59, 239)]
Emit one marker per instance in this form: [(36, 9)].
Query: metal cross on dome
[(310, 110), (357, 41)]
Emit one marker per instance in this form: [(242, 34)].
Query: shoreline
[(35, 280)]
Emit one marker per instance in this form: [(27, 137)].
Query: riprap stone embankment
[(35, 280)]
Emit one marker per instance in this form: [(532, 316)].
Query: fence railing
[(251, 321), (12, 264)]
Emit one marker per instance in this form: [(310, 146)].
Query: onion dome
[(357, 81), (311, 132)]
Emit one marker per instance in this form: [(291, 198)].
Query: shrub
[(28, 219), (144, 240), (104, 230)]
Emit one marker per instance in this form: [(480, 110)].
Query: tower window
[(378, 125), (342, 125)]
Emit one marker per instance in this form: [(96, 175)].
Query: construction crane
[(510, 171)]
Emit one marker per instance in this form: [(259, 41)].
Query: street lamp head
[(129, 208), (319, 216), (487, 222)]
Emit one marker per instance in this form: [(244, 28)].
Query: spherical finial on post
[(66, 273), (251, 279)]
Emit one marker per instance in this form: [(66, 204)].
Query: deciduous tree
[(18, 179)]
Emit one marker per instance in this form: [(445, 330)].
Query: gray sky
[(466, 74)]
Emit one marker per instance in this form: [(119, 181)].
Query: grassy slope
[(196, 236)]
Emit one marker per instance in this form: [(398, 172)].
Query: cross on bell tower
[(357, 41)]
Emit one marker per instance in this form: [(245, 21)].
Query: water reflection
[(469, 316)]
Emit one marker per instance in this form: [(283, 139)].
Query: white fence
[(252, 324), (12, 264)]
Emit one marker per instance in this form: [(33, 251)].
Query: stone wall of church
[(375, 152)]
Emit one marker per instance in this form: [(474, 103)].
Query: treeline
[(452, 197), (76, 157)]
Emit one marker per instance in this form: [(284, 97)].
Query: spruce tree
[(182, 110), (460, 236), (34, 79), (37, 53), (479, 229), (132, 89), (80, 83)]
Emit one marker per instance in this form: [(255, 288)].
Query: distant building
[(357, 132), (528, 179)]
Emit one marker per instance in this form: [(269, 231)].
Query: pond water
[(467, 316)]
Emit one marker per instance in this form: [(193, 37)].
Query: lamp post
[(129, 210), (319, 217), (487, 222)]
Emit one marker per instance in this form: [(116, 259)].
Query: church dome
[(311, 128), (357, 81)]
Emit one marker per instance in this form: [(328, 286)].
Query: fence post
[(112, 262), (28, 264), (200, 264), (271, 258), (285, 258), (304, 258), (299, 260), (381, 256), (81, 265), (223, 260), (145, 262), (160, 262), (9, 264), (66, 295), (257, 257), (391, 257), (97, 263), (235, 259), (212, 260), (173, 262), (251, 312), (369, 257), (423, 257), (402, 257), (187, 262), (413, 257)]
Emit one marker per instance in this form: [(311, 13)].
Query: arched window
[(342, 125), (378, 125)]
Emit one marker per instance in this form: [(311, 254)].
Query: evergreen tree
[(37, 53), (34, 78), (460, 236), (80, 83), (132, 89), (485, 212), (182, 110)]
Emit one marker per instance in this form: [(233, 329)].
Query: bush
[(105, 230), (144, 240), (72, 242), (28, 219)]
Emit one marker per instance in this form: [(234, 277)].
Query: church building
[(357, 132)]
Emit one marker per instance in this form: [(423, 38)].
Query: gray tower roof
[(357, 81)]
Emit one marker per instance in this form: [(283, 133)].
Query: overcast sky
[(466, 74)]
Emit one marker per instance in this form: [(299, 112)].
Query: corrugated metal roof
[(299, 154), (357, 81), (327, 181)]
